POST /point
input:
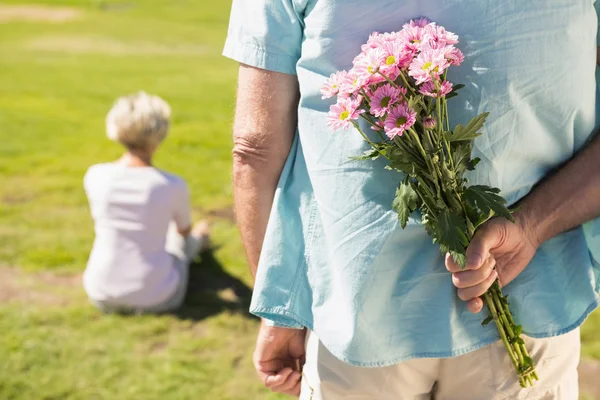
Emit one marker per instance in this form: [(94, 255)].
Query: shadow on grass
[(211, 290)]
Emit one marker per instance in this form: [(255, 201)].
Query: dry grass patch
[(37, 13), (43, 289), (105, 45)]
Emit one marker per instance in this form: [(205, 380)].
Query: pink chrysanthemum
[(429, 123), (378, 126), (367, 64), (333, 84), (420, 22), (384, 98), (454, 55), (350, 84), (429, 89), (399, 119), (429, 63), (397, 56), (412, 37), (344, 112), (436, 37)]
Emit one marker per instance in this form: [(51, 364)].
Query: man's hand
[(278, 358), (500, 249)]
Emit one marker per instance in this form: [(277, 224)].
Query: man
[(371, 308)]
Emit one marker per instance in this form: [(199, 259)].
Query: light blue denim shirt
[(335, 258)]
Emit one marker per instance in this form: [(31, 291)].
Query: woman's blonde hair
[(139, 121)]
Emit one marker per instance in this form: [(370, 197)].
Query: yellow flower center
[(390, 60), (371, 69), (385, 101), (400, 121), (416, 41), (344, 115), (427, 65)]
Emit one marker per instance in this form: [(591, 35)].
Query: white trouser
[(484, 374)]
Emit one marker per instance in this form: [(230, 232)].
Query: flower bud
[(429, 123)]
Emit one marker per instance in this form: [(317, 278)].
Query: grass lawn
[(60, 70), (57, 81)]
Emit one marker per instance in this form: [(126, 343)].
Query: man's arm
[(264, 128), (565, 200)]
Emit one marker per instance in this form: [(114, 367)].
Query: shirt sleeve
[(265, 34), (182, 209), (597, 7)]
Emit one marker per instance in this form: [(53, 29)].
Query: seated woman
[(144, 238)]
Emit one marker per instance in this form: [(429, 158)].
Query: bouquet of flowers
[(398, 86)]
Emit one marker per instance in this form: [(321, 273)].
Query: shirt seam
[(441, 354), (267, 51), (304, 258)]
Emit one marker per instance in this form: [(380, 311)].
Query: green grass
[(57, 81)]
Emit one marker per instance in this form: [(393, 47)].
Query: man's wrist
[(532, 227), (275, 324)]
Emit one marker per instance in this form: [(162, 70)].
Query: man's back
[(334, 258)]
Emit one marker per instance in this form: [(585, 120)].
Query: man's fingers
[(479, 289), (468, 278), (277, 379), (475, 305), (486, 238), (289, 384), (451, 265)]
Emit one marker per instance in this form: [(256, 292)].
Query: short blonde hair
[(139, 121)]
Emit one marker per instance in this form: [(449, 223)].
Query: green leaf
[(454, 91), (405, 202), (451, 234), (468, 132), (487, 320), (371, 154), (461, 155), (518, 330), (399, 160), (487, 200), (459, 258), (520, 341)]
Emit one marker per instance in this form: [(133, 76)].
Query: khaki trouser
[(484, 374)]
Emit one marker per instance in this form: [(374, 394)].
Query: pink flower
[(397, 56), (378, 126), (344, 112), (384, 98), (421, 22), (399, 119), (429, 63), (367, 64), (412, 37), (350, 84), (436, 37), (333, 84), (454, 55), (377, 40), (429, 89), (429, 123)]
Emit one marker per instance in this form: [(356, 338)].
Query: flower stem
[(373, 145)]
